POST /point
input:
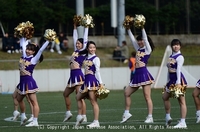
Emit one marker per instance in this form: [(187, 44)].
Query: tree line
[(162, 17)]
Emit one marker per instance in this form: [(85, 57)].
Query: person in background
[(63, 41), (175, 79), (131, 63), (16, 44), (142, 78), (7, 42), (124, 52), (195, 94), (92, 83), (56, 44)]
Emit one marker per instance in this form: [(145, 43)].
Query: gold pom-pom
[(139, 21), (128, 22), (176, 91), (102, 92), (28, 30), (50, 35), (24, 29), (77, 20), (87, 21)]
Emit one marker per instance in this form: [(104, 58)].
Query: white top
[(147, 46), (34, 60), (96, 62), (85, 38)]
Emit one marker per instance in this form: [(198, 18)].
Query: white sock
[(126, 111), (198, 112), (96, 121), (23, 114), (183, 120), (168, 115), (150, 115), (35, 119), (68, 112)]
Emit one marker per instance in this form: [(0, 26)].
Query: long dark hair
[(34, 47), (139, 37)]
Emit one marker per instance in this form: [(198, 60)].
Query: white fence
[(114, 78)]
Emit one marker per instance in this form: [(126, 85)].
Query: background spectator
[(7, 44), (16, 44), (63, 41), (121, 53)]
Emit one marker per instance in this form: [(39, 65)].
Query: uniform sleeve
[(85, 38), (133, 40), (35, 59), (23, 44), (148, 49), (180, 61), (97, 66), (75, 37)]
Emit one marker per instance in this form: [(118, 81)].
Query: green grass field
[(52, 110)]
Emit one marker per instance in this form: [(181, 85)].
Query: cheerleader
[(31, 55), (76, 76), (141, 78), (92, 83), (195, 95), (176, 84)]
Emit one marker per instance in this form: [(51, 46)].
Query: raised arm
[(85, 38), (133, 40), (148, 49), (97, 66), (75, 37), (39, 53), (23, 44), (180, 61)]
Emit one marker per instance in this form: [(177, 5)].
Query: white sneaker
[(32, 124), (79, 120), (23, 120), (16, 51), (30, 119), (181, 125), (67, 117), (9, 51), (198, 119), (84, 119), (15, 115), (148, 120), (125, 117), (51, 50), (59, 52), (168, 121), (93, 125)]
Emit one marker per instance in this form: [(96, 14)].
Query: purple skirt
[(141, 77), (173, 78), (198, 84), (91, 83), (27, 85), (76, 78)]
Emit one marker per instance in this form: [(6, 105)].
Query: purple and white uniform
[(175, 76), (92, 73), (27, 64), (198, 84), (76, 61), (142, 76)]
